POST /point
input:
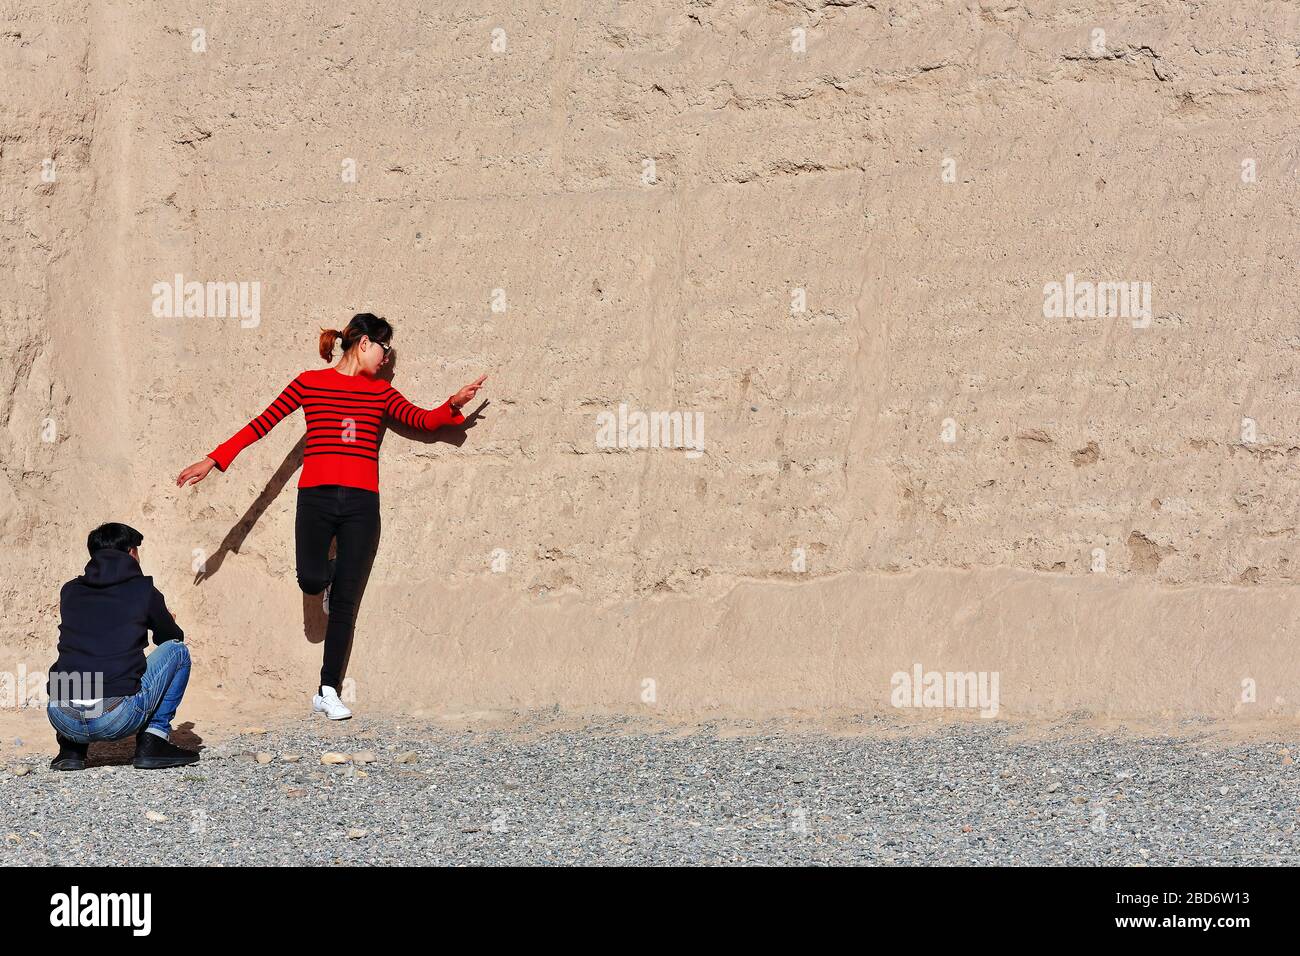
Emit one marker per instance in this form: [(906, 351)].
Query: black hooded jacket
[(103, 618)]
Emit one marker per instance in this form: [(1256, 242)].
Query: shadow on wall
[(234, 538)]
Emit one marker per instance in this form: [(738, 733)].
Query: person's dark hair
[(363, 324), (120, 537)]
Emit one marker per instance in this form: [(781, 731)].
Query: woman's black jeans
[(350, 515)]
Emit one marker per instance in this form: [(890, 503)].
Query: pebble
[(155, 816), (331, 757), (264, 758)]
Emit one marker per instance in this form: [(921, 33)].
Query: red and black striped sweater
[(344, 414)]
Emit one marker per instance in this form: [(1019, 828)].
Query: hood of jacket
[(109, 566)]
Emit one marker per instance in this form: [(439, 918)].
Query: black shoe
[(154, 753), (72, 755)]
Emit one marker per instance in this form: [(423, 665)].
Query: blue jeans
[(167, 671)]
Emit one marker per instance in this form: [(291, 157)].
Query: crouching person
[(102, 687)]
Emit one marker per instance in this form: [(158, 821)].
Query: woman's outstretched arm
[(224, 454), (428, 419)]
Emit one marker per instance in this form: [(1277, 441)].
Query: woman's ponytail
[(327, 339)]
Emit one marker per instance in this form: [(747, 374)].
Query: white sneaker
[(327, 702)]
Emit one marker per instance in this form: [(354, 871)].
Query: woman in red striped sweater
[(338, 493)]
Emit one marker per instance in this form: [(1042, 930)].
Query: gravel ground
[(617, 792)]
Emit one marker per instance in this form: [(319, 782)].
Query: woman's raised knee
[(312, 585)]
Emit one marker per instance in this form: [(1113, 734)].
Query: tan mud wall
[(647, 187)]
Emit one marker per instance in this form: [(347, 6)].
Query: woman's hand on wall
[(195, 473), (467, 393)]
